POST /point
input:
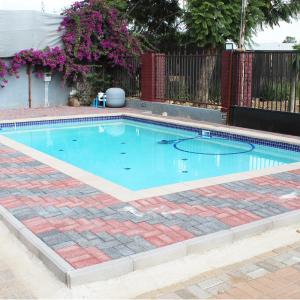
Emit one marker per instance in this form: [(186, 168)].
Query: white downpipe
[(46, 94), (47, 79)]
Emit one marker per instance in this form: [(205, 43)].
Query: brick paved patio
[(86, 226), (12, 114), (272, 275)]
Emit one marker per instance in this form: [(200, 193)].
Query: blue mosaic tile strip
[(216, 133), (58, 121), (230, 136)]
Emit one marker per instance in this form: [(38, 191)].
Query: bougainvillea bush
[(94, 35), (47, 60)]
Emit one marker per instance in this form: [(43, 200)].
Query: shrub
[(280, 92)]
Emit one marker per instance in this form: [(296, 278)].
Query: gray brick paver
[(56, 239), (113, 252), (218, 289), (169, 296), (125, 251), (198, 292), (209, 283), (267, 266), (89, 235), (105, 236), (185, 294)]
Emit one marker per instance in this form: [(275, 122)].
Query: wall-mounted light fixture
[(229, 46)]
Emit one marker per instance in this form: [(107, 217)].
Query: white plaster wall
[(15, 93)]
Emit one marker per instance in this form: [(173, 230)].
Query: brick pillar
[(247, 84), (160, 76), (226, 80), (148, 76), (153, 77), (242, 78)]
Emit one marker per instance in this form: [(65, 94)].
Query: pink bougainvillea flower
[(93, 34)]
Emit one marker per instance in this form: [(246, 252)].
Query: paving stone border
[(107, 270), (271, 275)]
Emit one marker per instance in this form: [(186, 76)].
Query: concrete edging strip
[(51, 259), (154, 257)]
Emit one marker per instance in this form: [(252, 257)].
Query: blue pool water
[(137, 155)]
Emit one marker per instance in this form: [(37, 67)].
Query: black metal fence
[(268, 80), (189, 78), (129, 80)]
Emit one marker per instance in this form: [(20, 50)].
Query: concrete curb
[(115, 268), (52, 260), (165, 254), (175, 110)]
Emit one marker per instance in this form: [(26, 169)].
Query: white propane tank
[(115, 97)]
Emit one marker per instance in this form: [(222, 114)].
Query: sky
[(268, 35)]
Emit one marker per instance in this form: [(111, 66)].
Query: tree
[(290, 40), (156, 22), (120, 5), (211, 23), (297, 47)]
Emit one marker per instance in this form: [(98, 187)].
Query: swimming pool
[(139, 154)]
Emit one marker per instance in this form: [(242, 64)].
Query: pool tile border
[(218, 133), (147, 120)]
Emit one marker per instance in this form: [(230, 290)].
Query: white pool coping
[(126, 195)]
